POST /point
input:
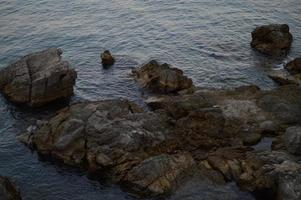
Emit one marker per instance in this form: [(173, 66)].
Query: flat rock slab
[(38, 78)]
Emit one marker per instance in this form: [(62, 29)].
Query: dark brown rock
[(38, 78), (273, 39), (294, 66), (162, 78), (8, 190), (106, 58)]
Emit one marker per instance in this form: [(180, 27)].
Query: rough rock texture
[(113, 136), (106, 58), (294, 66), (283, 77), (150, 151), (8, 190), (292, 139), (273, 39), (38, 78), (162, 78), (159, 174)]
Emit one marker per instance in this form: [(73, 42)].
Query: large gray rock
[(38, 78), (162, 78), (8, 190), (273, 39), (292, 139)]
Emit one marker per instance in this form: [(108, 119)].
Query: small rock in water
[(107, 59), (162, 78), (273, 39)]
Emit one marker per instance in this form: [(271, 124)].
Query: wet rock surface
[(8, 190), (162, 78), (150, 152), (292, 140), (38, 78), (107, 59), (273, 39), (294, 66)]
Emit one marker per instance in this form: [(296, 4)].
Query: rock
[(107, 59), (292, 139), (273, 39), (162, 78), (8, 190), (252, 139), (114, 136), (158, 175), (38, 78), (294, 66), (289, 187), (284, 78)]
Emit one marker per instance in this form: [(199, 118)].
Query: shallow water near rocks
[(209, 40)]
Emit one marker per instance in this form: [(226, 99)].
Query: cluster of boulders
[(150, 152), (184, 132), (8, 190)]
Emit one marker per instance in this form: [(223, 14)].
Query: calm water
[(209, 40)]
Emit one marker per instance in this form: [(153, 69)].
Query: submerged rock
[(8, 190), (294, 66), (273, 39), (106, 58), (162, 78), (38, 78), (292, 139)]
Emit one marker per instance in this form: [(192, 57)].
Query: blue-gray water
[(208, 39)]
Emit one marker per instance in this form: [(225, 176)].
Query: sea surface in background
[(207, 39)]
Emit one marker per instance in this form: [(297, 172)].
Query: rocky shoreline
[(185, 132)]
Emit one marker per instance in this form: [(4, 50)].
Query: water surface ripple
[(208, 39)]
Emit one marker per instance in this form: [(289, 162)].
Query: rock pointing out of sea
[(161, 78), (8, 190), (38, 78), (273, 39)]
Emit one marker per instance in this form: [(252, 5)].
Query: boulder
[(294, 66), (292, 139), (273, 39), (107, 59), (8, 190), (161, 78), (38, 78)]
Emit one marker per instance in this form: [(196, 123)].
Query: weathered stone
[(106, 58), (252, 139), (38, 78), (8, 190), (273, 39), (162, 78), (158, 175), (292, 139), (294, 66)]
